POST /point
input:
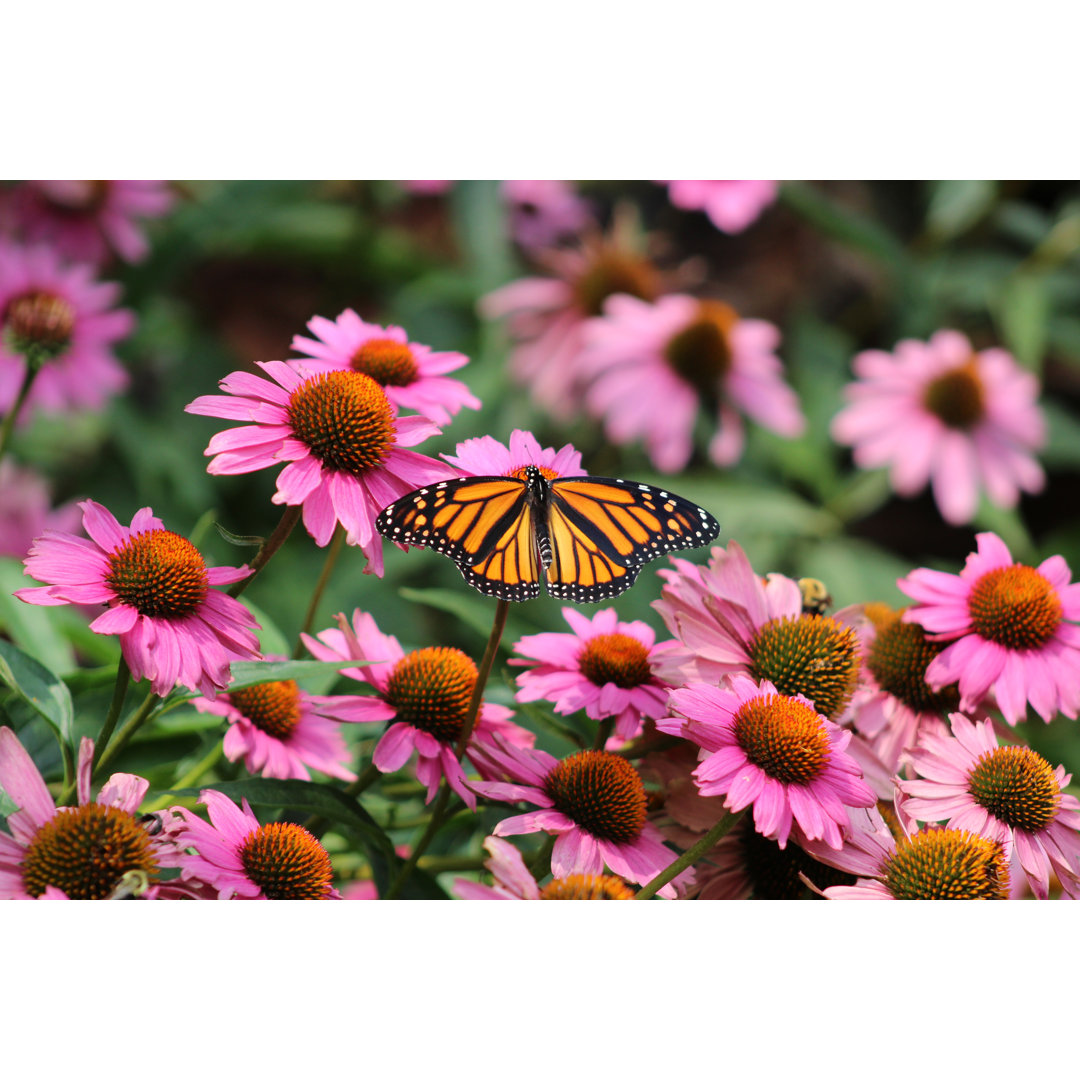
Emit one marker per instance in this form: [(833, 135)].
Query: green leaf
[(32, 627), (855, 571), (469, 606), (957, 205), (40, 689), (7, 804), (1063, 442), (253, 672), (1022, 310), (271, 640), (238, 541)]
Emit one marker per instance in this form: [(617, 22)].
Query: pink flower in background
[(546, 315), (543, 212), (341, 438), (605, 667), (594, 803), (514, 882), (67, 321), (1008, 794), (773, 752), (26, 510), (173, 627), (938, 412), (85, 220), (651, 368), (94, 851), (731, 205), (240, 858), (412, 375), (424, 696), (1010, 628), (486, 456), (280, 731)]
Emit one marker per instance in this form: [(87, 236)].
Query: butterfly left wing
[(603, 530), (483, 523)]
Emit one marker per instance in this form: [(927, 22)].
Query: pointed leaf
[(43, 691)]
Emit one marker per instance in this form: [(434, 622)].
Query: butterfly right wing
[(483, 523)]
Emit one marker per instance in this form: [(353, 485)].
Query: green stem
[(440, 864), (320, 587), (8, 425), (688, 858), (123, 680), (190, 778), (124, 735), (501, 611), (541, 865), (434, 823), (266, 552), (603, 732)]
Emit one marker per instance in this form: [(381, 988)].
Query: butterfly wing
[(602, 531), (484, 523)]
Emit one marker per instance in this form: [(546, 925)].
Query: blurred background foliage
[(238, 268)]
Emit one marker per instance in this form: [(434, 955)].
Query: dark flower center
[(287, 862), (957, 398), (615, 658), (389, 363), (700, 353), (783, 737), (601, 792), (1015, 606), (345, 419), (810, 655), (431, 690), (273, 707), (947, 864), (85, 851), (898, 658), (158, 573), (1017, 786), (611, 271)]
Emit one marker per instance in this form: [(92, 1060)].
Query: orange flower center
[(783, 737), (812, 655), (431, 690), (587, 887), (344, 419), (287, 862), (1015, 606), (273, 707), (389, 363), (38, 324), (947, 864), (85, 851), (610, 271), (957, 398), (615, 658), (898, 658), (1017, 786), (600, 792), (159, 574), (700, 353)]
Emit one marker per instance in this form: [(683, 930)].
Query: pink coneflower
[(240, 858), (652, 367), (66, 323), (173, 627), (280, 730), (424, 695), (731, 205), (935, 864), (93, 851), (605, 667), (543, 212), (896, 704), (771, 751), (341, 437), (486, 456), (1006, 793), (412, 375), (514, 882), (731, 621), (546, 315), (1009, 628), (26, 510), (86, 220), (594, 803), (940, 413)]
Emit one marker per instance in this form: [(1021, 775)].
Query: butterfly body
[(588, 536)]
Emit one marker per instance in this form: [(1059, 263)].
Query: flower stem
[(123, 680), (8, 425), (691, 856), (123, 736), (433, 826), (190, 778), (320, 587), (603, 732), (501, 611), (269, 546)]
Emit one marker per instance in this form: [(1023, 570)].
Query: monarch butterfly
[(589, 534)]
